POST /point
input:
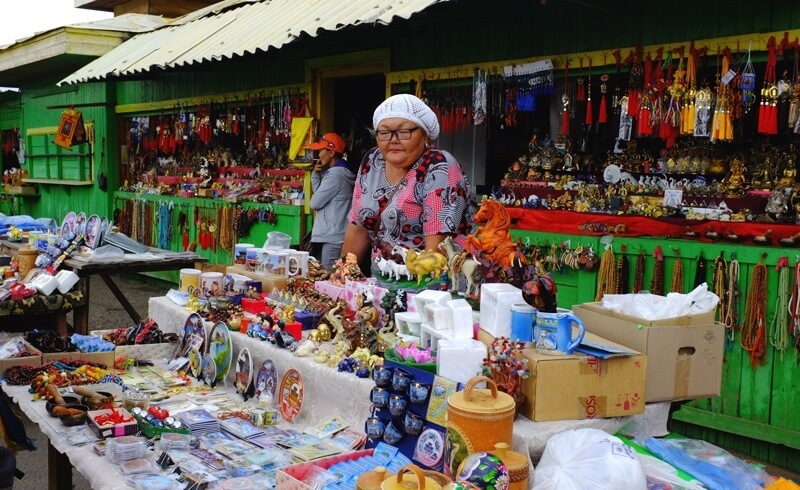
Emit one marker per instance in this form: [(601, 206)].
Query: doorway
[(354, 101)]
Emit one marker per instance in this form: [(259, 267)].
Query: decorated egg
[(460, 485), (484, 470)]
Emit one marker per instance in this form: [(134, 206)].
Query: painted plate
[(92, 231), (193, 335), (244, 371), (290, 396), (80, 224), (68, 223), (221, 347), (195, 362), (267, 380), (209, 370), (430, 448)]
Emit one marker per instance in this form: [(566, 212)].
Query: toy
[(424, 263), (493, 240), (460, 262)]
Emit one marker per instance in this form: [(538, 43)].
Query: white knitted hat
[(408, 107)]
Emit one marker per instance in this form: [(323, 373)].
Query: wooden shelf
[(75, 183)]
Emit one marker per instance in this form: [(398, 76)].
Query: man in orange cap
[(332, 193)]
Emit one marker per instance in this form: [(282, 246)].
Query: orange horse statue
[(492, 238)]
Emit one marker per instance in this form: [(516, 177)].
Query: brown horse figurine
[(493, 239)]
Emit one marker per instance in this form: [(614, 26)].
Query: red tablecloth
[(570, 222)]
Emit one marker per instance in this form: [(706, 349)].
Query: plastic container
[(277, 240), (132, 399)]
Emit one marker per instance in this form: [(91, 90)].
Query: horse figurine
[(424, 263), (460, 262), (493, 239)]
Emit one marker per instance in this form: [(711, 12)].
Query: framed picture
[(673, 198)]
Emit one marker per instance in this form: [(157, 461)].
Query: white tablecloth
[(328, 392)]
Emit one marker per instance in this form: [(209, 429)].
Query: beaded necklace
[(225, 218), (732, 302), (607, 277), (753, 325), (657, 283), (622, 272), (779, 328), (638, 280), (676, 285), (794, 306), (720, 283)]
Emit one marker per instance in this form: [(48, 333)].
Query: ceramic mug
[(382, 375), (252, 256), (401, 379), (374, 427), (392, 434), (240, 253), (379, 396), (418, 391), (189, 280), (413, 423), (278, 263), (298, 262), (397, 404), (212, 283), (523, 317), (553, 332)]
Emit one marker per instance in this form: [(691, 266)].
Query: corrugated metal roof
[(237, 27)]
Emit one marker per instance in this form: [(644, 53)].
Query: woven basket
[(477, 419), (439, 478)]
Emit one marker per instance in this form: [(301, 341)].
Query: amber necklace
[(622, 272), (676, 285), (720, 281), (638, 281), (794, 306), (657, 284), (607, 277), (779, 328), (753, 325)]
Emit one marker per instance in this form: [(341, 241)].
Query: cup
[(400, 380), (418, 391), (379, 396), (212, 283), (382, 375), (523, 316), (413, 423), (298, 262), (374, 427), (392, 433), (553, 333), (189, 280), (252, 255), (270, 416), (240, 253), (397, 404)]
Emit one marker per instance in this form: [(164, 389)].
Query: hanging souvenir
[(602, 116), (635, 82), (721, 123), (638, 276), (753, 336), (748, 82), (657, 282), (671, 123), (780, 327), (589, 110), (768, 106), (625, 121), (676, 284), (794, 98), (565, 101), (478, 97), (794, 307), (703, 100)]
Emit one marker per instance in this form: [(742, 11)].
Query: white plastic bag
[(656, 307), (587, 459)]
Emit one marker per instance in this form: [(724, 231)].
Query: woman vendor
[(407, 191)]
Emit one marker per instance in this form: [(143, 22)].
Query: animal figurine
[(425, 263), (492, 238), (384, 266), (399, 269), (461, 262)]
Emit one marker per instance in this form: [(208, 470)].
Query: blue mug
[(413, 423), (553, 333), (401, 379), (392, 434), (523, 316), (374, 427), (379, 396), (382, 375), (397, 404), (418, 391)]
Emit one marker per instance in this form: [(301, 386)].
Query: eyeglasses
[(402, 134)]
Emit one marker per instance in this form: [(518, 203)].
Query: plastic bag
[(655, 469), (586, 459), (656, 307), (715, 467), (107, 253)]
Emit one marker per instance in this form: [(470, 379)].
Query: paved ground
[(105, 312)]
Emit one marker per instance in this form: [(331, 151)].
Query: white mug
[(300, 257), (278, 263)]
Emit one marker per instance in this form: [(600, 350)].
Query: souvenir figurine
[(492, 237), (460, 262), (428, 262)]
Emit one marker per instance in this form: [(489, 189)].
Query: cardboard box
[(684, 354), (496, 301), (18, 361), (578, 387), (290, 477)]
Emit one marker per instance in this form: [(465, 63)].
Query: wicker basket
[(477, 419), (439, 478)]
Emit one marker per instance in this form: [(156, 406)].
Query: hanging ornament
[(657, 283), (768, 106), (478, 97), (702, 112), (607, 276), (688, 107), (748, 82), (635, 81), (794, 307), (779, 328), (622, 272), (638, 277), (676, 284), (794, 100), (721, 123), (753, 337), (589, 110), (602, 116)]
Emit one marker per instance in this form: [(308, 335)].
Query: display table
[(165, 261), (328, 390)]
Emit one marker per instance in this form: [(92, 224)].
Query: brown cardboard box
[(267, 283), (684, 354), (18, 361), (578, 387)]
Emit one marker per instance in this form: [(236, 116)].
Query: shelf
[(74, 183)]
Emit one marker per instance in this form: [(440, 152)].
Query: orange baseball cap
[(330, 141)]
